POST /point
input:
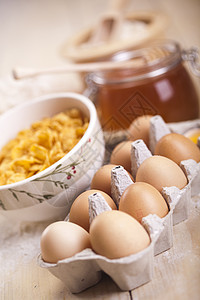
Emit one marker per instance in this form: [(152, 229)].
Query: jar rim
[(170, 56)]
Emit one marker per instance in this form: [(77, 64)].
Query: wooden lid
[(136, 30)]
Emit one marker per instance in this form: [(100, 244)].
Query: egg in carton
[(178, 199), (120, 180), (158, 129), (85, 268)]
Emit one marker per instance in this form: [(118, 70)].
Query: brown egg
[(79, 212), (102, 179), (139, 129), (115, 234), (141, 199), (121, 155), (160, 172), (177, 147), (61, 240)]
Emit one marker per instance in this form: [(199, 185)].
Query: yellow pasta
[(45, 142)]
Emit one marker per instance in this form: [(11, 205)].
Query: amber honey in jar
[(158, 84)]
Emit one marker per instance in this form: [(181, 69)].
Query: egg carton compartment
[(120, 180), (165, 239), (77, 272), (84, 269), (178, 200), (192, 172)]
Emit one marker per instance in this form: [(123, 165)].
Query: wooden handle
[(21, 73)]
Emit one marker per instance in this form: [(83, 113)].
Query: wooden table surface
[(176, 271), (31, 34)]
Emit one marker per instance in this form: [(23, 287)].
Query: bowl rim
[(45, 98)]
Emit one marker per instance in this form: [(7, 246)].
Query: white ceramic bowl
[(49, 194)]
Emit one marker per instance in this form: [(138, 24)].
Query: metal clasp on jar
[(192, 57), (91, 89)]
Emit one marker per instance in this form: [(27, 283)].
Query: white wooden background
[(31, 34)]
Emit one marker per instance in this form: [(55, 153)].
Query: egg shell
[(177, 147), (141, 199), (161, 172), (139, 129), (102, 179), (61, 240), (115, 234), (121, 155), (181, 209), (79, 212)]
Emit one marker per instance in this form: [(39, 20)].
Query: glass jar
[(159, 84)]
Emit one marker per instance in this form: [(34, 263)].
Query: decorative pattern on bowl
[(59, 184)]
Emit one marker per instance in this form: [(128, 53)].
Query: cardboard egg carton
[(85, 269)]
